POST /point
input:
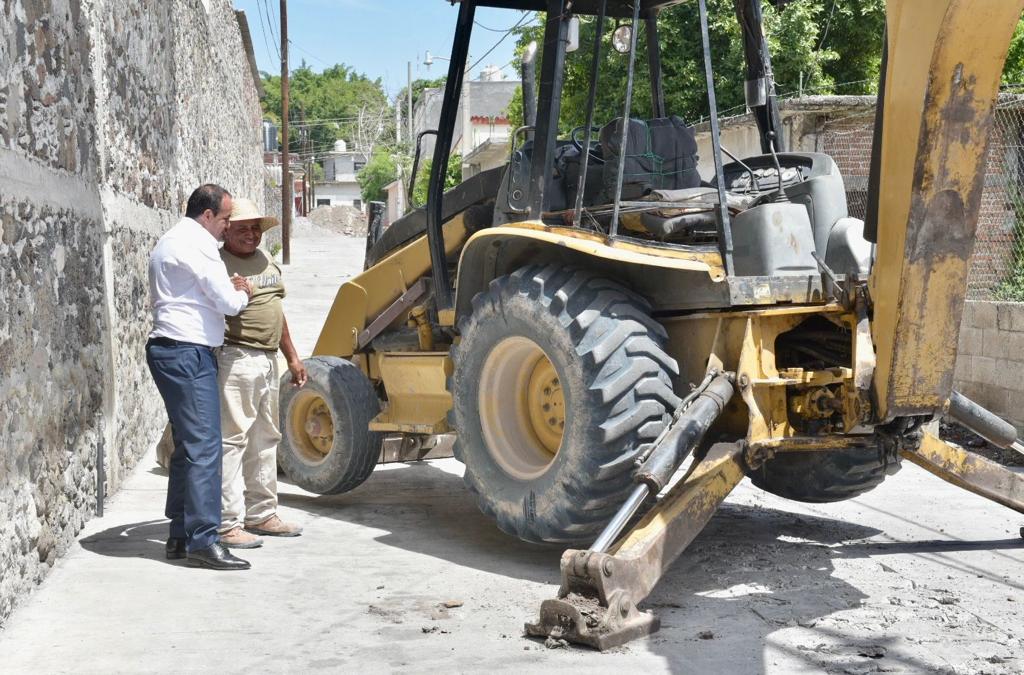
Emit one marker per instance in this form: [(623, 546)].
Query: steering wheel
[(594, 143)]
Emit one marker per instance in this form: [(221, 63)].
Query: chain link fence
[(997, 265)]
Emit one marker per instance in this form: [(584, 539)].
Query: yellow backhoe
[(617, 340)]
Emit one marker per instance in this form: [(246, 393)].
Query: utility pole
[(398, 121), (286, 176), (408, 93)]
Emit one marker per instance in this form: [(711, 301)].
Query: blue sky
[(375, 37)]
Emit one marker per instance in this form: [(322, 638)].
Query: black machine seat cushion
[(661, 154)]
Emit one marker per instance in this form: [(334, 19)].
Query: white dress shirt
[(190, 288)]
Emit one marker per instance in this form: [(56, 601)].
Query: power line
[(263, 29), (828, 25), (502, 39), (311, 54), (274, 40), (493, 30)]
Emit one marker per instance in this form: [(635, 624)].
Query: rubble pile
[(346, 220)]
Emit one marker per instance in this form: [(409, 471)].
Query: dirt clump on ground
[(964, 437), (346, 220)]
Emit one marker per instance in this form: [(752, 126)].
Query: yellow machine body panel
[(362, 299), (601, 248), (418, 399), (945, 61)]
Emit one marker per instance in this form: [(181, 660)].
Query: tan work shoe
[(236, 537), (274, 527)]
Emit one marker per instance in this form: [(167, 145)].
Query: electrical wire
[(828, 25), (270, 22), (263, 29), (493, 30), (502, 39), (310, 54)]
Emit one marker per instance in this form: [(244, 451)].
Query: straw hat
[(245, 209)]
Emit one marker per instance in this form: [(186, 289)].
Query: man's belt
[(161, 341)]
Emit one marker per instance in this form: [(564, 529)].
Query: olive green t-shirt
[(259, 324)]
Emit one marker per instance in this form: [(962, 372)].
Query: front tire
[(559, 380), (326, 445), (823, 477)]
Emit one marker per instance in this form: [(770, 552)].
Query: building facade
[(486, 99), (340, 187)]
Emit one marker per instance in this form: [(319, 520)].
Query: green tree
[(792, 35), (417, 90), (1014, 71), (379, 172), (821, 46), (452, 178), (327, 104)]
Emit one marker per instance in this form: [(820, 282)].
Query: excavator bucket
[(598, 598)]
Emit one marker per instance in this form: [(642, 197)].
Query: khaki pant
[(249, 381)]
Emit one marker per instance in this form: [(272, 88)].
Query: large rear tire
[(821, 477), (326, 445), (559, 380)]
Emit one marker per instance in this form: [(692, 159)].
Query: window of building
[(323, 202), (358, 203), (357, 166)]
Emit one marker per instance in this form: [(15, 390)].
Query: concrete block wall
[(990, 364), (110, 114)]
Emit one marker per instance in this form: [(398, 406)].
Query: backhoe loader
[(617, 340)]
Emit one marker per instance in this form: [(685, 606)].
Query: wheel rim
[(312, 427), (522, 408)]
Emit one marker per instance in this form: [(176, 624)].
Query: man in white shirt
[(191, 293)]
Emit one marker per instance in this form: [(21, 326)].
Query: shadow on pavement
[(428, 510), (752, 572), (131, 540)]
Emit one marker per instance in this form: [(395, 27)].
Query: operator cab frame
[(751, 211)]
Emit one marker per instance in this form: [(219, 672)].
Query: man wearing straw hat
[(249, 377)]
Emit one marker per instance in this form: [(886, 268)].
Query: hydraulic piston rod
[(597, 602), (671, 448)]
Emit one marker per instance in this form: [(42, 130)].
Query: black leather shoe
[(216, 557), (175, 549)]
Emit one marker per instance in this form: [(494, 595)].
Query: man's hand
[(241, 284), (298, 372)]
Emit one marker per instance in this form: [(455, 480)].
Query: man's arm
[(295, 366), (228, 296)]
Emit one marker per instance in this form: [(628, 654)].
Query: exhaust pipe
[(528, 73)]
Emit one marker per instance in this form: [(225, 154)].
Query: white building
[(339, 186), (487, 123)]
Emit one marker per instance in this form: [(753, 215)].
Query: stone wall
[(990, 366), (110, 114), (272, 200)]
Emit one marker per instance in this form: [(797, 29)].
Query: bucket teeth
[(583, 620)]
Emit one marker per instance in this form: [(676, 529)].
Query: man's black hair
[(207, 196)]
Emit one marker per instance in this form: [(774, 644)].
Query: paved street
[(916, 576)]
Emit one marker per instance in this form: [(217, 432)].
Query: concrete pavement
[(916, 576)]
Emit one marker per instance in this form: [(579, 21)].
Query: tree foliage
[(379, 172), (452, 178), (817, 46), (418, 86), (328, 104), (1014, 71)]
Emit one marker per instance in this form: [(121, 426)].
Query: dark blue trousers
[(186, 376)]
